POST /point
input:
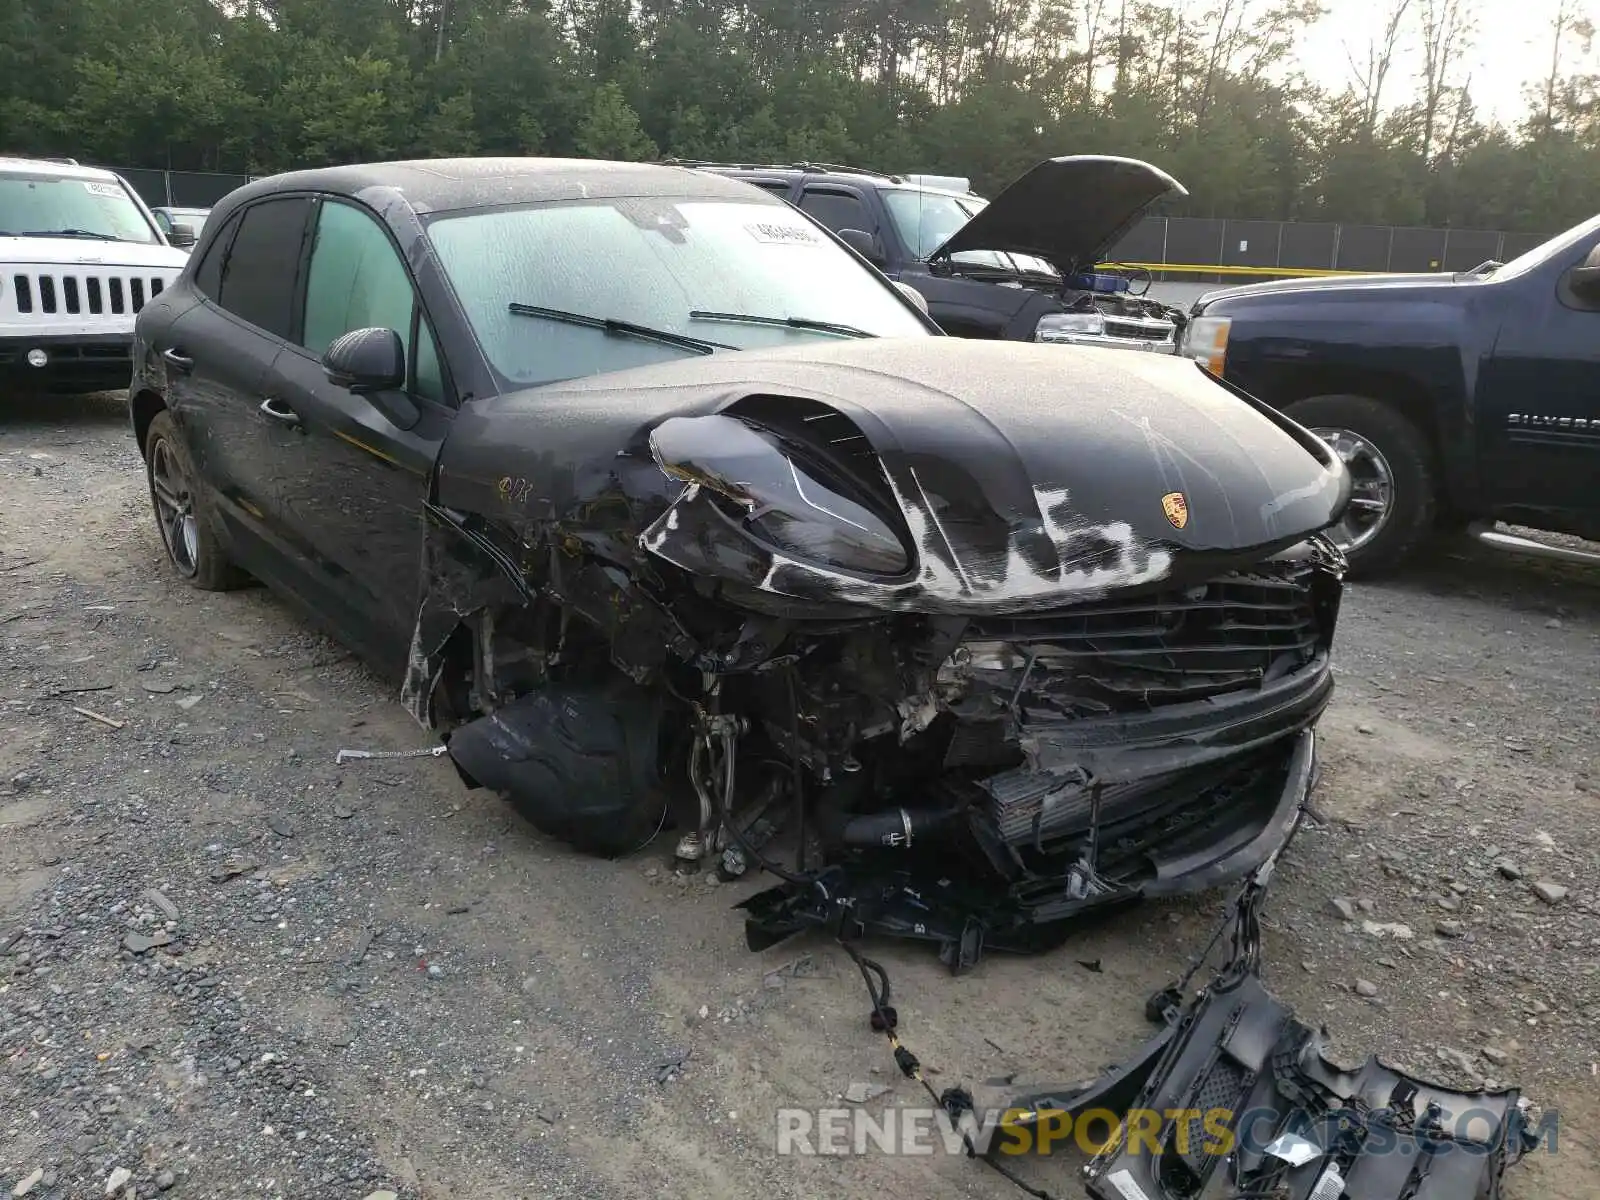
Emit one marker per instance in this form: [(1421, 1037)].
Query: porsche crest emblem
[(1176, 508)]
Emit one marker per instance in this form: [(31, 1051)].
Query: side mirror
[(181, 235), (1585, 280), (372, 363), (911, 294), (864, 244)]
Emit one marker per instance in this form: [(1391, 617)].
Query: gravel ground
[(229, 967)]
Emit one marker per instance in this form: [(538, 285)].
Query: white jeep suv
[(80, 254)]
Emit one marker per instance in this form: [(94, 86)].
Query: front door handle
[(275, 409), (179, 362)]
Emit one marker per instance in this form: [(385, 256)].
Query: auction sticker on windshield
[(790, 235), (96, 188)]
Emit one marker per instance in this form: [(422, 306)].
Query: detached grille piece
[(1133, 655)]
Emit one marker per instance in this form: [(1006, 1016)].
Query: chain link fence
[(1261, 248), (180, 189)]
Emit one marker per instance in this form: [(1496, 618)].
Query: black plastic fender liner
[(580, 761), (462, 571)]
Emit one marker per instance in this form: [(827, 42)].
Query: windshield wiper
[(68, 233), (618, 328), (791, 322)]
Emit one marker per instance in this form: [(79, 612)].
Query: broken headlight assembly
[(1069, 326), (780, 496)]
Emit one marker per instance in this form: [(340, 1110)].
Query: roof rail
[(65, 162), (842, 169), (818, 168)]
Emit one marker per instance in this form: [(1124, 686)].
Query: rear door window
[(838, 210), (780, 190), (208, 274), (262, 267)]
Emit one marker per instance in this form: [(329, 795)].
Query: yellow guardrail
[(1218, 269)]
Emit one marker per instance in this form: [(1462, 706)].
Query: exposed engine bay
[(1107, 306), (973, 706), (1101, 308), (1129, 313)]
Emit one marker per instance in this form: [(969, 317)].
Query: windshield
[(664, 264), (1567, 240), (926, 220), (40, 204)]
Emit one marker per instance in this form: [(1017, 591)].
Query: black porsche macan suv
[(664, 508)]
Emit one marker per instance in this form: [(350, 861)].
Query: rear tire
[(184, 516), (1389, 458)]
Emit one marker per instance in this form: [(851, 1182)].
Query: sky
[(1511, 48)]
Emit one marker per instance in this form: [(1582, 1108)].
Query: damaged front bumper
[(1219, 821), (1127, 749)]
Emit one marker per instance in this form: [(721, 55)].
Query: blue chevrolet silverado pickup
[(1456, 400)]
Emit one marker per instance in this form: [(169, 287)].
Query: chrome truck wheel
[(1372, 493), (1391, 463)]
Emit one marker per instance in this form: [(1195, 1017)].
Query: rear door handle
[(275, 409), (179, 362)]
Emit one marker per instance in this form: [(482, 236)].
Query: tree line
[(1207, 89)]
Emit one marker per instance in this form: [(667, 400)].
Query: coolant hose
[(840, 822), (897, 827)]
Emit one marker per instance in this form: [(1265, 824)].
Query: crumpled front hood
[(1026, 476), (1069, 211)]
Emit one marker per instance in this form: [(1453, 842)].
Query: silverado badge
[(1176, 508)]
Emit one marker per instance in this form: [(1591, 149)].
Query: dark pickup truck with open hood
[(1460, 399), (1022, 267)]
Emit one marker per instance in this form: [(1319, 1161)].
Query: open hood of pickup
[(1069, 211)]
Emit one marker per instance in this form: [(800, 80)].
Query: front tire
[(1395, 496), (183, 517)]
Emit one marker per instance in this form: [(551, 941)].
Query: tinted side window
[(838, 210), (357, 281), (259, 275), (208, 274)]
